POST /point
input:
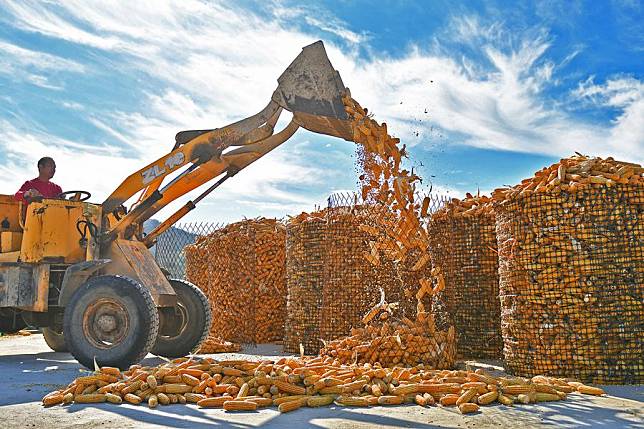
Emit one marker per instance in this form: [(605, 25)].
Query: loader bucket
[(312, 90)]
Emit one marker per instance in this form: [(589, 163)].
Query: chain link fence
[(168, 250)]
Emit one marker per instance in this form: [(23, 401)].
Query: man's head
[(46, 168)]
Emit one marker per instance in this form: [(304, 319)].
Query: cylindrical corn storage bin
[(304, 280), (463, 246), (348, 289), (333, 280), (241, 269), (572, 272)]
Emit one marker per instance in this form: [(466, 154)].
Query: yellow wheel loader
[(83, 272)]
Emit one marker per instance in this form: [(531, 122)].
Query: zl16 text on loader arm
[(83, 271)]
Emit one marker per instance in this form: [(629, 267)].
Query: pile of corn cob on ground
[(292, 383), (31, 371)]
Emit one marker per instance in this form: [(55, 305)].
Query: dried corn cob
[(90, 398), (468, 407), (288, 406), (234, 405)]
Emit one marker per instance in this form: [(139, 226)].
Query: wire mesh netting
[(571, 271), (304, 279), (352, 284), (331, 281), (464, 248), (168, 250), (350, 199), (241, 269)]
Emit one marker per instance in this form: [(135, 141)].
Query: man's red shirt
[(47, 189)]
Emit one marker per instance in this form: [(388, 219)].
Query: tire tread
[(205, 304), (148, 309)]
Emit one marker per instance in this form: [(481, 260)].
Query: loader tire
[(184, 327), (55, 339), (112, 319), (11, 321)]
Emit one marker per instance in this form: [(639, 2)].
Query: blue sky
[(483, 93)]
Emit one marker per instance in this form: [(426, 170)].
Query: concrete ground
[(29, 370)]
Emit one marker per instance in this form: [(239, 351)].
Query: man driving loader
[(90, 265), (41, 186)]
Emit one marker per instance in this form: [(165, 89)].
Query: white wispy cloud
[(318, 17), (469, 29), (72, 105), (627, 95), (618, 92), (20, 56), (337, 28), (497, 104), (38, 18), (22, 64)]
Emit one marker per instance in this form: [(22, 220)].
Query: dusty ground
[(30, 370)]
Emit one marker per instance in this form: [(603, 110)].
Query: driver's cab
[(52, 231)]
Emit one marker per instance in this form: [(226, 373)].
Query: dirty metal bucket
[(312, 90)]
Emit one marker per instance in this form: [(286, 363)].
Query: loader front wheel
[(184, 327), (110, 318)]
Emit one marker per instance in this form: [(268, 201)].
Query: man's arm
[(26, 191)]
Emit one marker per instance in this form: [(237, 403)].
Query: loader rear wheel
[(54, 339), (184, 327), (110, 318)]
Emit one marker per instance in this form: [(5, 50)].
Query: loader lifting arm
[(310, 88)]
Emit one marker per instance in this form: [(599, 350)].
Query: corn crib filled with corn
[(571, 250), (241, 269), (462, 239), (394, 235), (350, 283), (330, 282)]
